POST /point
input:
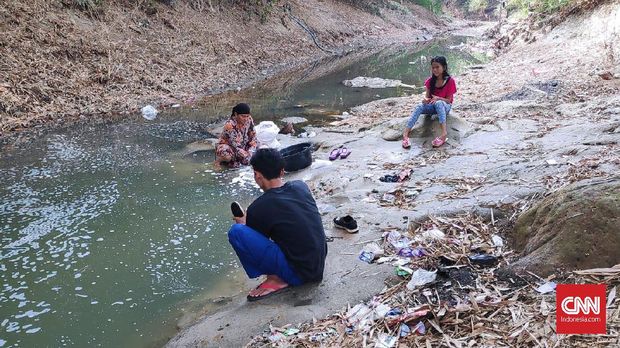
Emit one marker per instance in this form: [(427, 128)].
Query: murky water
[(107, 233)]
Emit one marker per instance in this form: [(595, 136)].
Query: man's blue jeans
[(440, 107), (260, 255)]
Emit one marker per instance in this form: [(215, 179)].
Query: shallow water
[(108, 234)]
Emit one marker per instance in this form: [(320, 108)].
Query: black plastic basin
[(296, 157)]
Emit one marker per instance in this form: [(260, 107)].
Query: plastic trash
[(497, 241), (421, 277), (430, 235), (484, 260), (396, 240), (547, 287), (149, 112), (409, 252), (318, 164), (276, 337), (404, 330), (394, 312), (291, 331), (403, 271), (420, 329), (385, 341), (266, 133), (310, 134), (367, 256), (381, 310)]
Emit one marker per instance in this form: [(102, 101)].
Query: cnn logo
[(574, 305), (580, 309)]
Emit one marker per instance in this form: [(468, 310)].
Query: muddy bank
[(529, 125), (61, 64)]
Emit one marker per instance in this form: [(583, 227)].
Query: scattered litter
[(421, 277), (547, 287), (310, 134), (552, 162), (403, 271), (396, 240), (420, 329), (409, 252), (291, 331), (404, 330), (611, 297), (374, 82), (385, 341), (149, 112), (485, 260), (430, 235), (497, 241), (459, 305), (276, 337), (176, 106), (319, 163), (366, 256)]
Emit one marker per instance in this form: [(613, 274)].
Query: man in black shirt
[(282, 234)]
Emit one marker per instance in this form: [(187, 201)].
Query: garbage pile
[(452, 288)]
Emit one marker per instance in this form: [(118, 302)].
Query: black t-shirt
[(288, 215)]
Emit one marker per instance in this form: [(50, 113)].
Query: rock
[(577, 227), (426, 127), (294, 120), (392, 134), (199, 146)]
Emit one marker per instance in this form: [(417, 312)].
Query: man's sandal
[(269, 286)]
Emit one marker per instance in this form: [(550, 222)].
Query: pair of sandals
[(437, 142), (340, 152)]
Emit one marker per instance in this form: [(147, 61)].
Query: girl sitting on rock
[(440, 89)]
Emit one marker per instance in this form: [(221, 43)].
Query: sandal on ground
[(406, 144), (275, 289), (334, 154), (438, 142), (344, 153)]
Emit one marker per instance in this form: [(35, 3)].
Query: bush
[(477, 6), (540, 6)]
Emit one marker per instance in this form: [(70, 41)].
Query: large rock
[(577, 227), (426, 127)]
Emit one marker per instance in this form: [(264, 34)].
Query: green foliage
[(540, 6), (434, 6), (478, 5)]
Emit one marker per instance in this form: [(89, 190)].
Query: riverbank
[(110, 63), (523, 126)]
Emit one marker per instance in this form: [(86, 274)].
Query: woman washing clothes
[(237, 142)]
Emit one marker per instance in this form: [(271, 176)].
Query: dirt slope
[(61, 64)]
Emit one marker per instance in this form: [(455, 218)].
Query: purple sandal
[(344, 153), (334, 154)]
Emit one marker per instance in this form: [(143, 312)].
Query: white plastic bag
[(421, 277), (266, 133), (149, 112)]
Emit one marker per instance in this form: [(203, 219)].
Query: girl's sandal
[(438, 142), (406, 143)]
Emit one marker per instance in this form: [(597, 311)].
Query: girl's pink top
[(447, 91)]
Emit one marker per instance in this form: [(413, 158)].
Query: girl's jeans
[(440, 107)]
